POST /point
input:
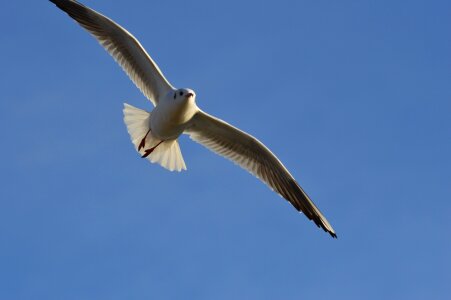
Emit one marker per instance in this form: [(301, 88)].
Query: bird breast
[(170, 118)]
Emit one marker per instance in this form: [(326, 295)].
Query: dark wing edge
[(253, 156), (122, 46)]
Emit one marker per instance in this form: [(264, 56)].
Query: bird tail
[(167, 153)]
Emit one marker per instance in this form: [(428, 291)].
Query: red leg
[(143, 141), (148, 151)]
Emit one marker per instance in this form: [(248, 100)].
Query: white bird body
[(155, 134), (171, 116)]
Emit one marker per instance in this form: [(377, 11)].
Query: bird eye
[(181, 93)]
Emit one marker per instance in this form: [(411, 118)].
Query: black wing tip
[(333, 235), (318, 222), (67, 3), (329, 231), (56, 2), (326, 228)]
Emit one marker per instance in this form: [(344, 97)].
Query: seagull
[(154, 134)]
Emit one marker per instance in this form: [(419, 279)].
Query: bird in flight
[(154, 134)]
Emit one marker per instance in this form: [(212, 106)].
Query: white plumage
[(154, 134), (168, 154)]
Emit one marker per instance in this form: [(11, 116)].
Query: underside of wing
[(122, 46), (249, 153)]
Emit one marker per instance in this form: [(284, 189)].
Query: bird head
[(184, 95)]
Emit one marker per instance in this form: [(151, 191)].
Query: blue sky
[(353, 96)]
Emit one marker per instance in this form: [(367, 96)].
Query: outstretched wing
[(122, 46), (248, 152)]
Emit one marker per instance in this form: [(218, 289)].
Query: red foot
[(148, 151), (143, 141)]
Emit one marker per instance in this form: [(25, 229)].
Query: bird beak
[(189, 95)]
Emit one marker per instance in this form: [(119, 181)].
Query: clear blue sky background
[(353, 96)]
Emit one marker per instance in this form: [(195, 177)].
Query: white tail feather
[(167, 154)]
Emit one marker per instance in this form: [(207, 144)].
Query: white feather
[(167, 154)]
